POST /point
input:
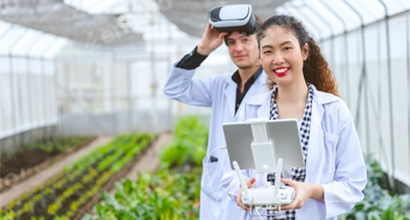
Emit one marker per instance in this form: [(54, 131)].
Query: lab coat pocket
[(330, 143), (211, 178)]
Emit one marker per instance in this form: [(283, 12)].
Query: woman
[(334, 176)]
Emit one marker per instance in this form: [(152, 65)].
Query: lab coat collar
[(320, 99), (230, 92)]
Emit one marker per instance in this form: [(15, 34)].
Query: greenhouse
[(119, 109)]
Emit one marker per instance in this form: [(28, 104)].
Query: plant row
[(161, 195), (65, 194), (36, 156), (38, 151), (171, 193)]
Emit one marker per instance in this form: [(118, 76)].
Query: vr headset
[(229, 18)]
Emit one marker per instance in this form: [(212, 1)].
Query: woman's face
[(281, 56)]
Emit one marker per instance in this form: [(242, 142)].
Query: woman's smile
[(281, 71)]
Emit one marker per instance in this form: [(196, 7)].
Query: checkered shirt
[(297, 173)]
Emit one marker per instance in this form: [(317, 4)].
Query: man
[(226, 95)]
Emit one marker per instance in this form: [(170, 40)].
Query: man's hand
[(249, 184), (211, 39)]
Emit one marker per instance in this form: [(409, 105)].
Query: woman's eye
[(287, 48), (266, 51)]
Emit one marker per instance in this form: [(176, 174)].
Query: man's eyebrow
[(229, 39), (243, 34)]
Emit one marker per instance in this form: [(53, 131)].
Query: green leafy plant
[(162, 195), (188, 146), (378, 203)]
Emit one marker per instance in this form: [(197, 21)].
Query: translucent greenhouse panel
[(10, 39), (142, 75), (321, 28), (370, 10), (47, 46), (322, 19), (56, 47), (353, 69), (358, 88), (29, 95), (377, 142), (25, 43), (400, 97), (6, 124), (396, 6), (326, 16), (5, 97), (121, 86), (4, 28), (81, 87), (349, 17), (18, 72), (338, 62), (311, 27), (19, 41), (50, 104)]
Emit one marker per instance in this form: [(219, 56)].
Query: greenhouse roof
[(48, 25)]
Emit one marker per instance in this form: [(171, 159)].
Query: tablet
[(282, 133)]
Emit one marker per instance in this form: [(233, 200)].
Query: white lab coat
[(334, 157), (219, 93)]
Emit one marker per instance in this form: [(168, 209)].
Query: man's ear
[(305, 51)]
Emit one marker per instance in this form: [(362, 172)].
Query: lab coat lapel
[(262, 104), (314, 148), (230, 96), (258, 87), (264, 111), (315, 162)]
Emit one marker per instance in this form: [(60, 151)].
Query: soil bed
[(32, 160)]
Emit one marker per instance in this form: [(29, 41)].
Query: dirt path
[(150, 161), (40, 177)]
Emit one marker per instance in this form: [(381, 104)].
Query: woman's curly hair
[(315, 68)]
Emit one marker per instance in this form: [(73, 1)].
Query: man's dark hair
[(258, 24)]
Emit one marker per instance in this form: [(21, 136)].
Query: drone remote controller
[(265, 196), (268, 137)]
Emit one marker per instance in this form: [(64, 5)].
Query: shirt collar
[(237, 78)]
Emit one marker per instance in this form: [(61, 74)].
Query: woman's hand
[(249, 184), (303, 192)]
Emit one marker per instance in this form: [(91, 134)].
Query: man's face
[(243, 49)]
